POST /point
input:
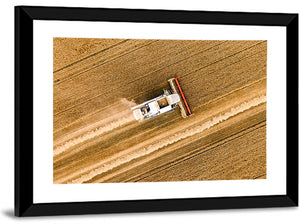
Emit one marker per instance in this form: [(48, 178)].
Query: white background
[(46, 191), (275, 215)]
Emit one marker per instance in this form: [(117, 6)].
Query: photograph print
[(158, 110)]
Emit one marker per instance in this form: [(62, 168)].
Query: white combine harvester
[(167, 102)]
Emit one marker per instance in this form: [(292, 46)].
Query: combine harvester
[(167, 102)]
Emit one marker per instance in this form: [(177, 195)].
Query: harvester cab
[(165, 103)]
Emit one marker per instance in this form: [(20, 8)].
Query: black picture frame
[(24, 17)]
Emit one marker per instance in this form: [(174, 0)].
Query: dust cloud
[(114, 117)]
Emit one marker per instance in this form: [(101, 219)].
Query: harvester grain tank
[(165, 103)]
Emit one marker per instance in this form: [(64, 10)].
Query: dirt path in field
[(96, 138)]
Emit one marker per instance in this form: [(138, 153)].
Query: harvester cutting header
[(167, 102)]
